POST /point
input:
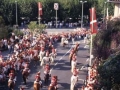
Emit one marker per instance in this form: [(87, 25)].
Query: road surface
[(61, 68)]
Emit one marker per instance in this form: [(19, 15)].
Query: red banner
[(40, 8), (93, 21)]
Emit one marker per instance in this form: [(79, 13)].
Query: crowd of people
[(92, 82), (37, 48)]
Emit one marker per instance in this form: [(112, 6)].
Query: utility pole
[(56, 6), (82, 13)]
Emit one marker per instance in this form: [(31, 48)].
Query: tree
[(106, 46), (109, 73), (36, 28), (3, 29), (32, 26), (67, 9), (107, 40), (7, 11)]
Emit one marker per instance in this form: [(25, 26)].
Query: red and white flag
[(93, 21), (40, 8)]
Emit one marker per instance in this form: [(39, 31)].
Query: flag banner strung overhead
[(40, 8), (93, 21)]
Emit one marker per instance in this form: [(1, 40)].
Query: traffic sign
[(56, 6)]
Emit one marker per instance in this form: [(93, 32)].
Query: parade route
[(60, 68)]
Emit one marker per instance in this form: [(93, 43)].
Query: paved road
[(61, 68), (55, 31)]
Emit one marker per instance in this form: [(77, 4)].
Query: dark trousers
[(24, 79)]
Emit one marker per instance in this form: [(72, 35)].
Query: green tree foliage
[(3, 32), (17, 32), (109, 73), (25, 7), (32, 26), (3, 29), (67, 9), (36, 28), (7, 10), (107, 40), (107, 46)]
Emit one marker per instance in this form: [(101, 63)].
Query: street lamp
[(16, 13), (82, 12)]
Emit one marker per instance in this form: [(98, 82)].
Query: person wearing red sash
[(47, 69), (37, 77), (54, 81)]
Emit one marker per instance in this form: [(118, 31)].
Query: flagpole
[(39, 12), (39, 19), (56, 18), (91, 42)]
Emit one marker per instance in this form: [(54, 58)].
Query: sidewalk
[(55, 31)]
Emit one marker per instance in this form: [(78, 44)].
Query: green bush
[(17, 32)]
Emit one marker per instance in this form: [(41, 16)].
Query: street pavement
[(59, 30), (60, 68)]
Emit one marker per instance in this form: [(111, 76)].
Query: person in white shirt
[(45, 60), (41, 54), (73, 64), (74, 80)]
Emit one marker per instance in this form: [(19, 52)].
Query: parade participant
[(54, 51), (41, 53), (11, 68), (12, 76), (74, 80), (51, 87), (37, 84), (54, 81), (2, 76), (11, 80), (76, 47), (37, 76), (35, 56), (75, 71), (73, 38), (73, 63), (22, 64), (50, 47), (53, 54), (62, 40), (47, 69), (71, 55), (25, 72), (46, 59), (5, 68), (74, 56), (46, 73)]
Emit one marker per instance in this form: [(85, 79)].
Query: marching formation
[(40, 48)]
